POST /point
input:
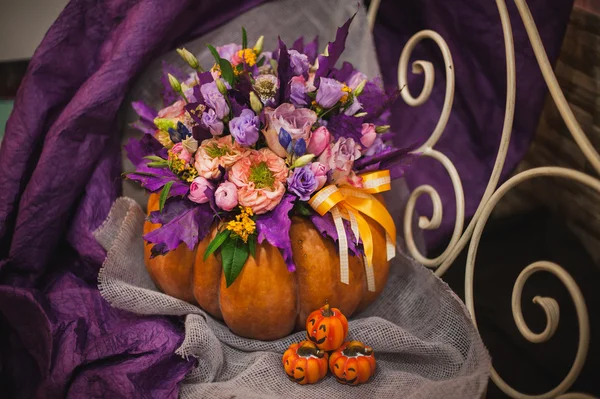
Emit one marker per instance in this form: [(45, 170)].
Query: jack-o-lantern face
[(353, 363), (327, 328), (304, 363)]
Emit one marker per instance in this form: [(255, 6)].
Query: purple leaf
[(343, 125), (336, 48), (344, 73), (275, 228), (311, 50), (144, 127), (188, 226), (169, 95), (205, 77), (375, 100), (147, 145), (326, 227), (173, 207), (298, 44), (284, 72), (145, 112)]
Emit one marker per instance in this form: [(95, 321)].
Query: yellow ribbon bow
[(350, 203)]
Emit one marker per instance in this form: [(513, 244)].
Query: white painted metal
[(492, 195)]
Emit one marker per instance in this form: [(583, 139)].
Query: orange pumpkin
[(353, 363), (327, 327), (267, 302), (304, 363)]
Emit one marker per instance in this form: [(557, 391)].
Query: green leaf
[(302, 208), (274, 65), (155, 158), (216, 243), (226, 71), (261, 61), (214, 52), (234, 254), (244, 38), (141, 174), (252, 245), (162, 164), (163, 195)]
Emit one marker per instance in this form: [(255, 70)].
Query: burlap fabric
[(425, 343)]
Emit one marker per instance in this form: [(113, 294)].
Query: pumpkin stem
[(355, 348), (326, 309), (308, 349)]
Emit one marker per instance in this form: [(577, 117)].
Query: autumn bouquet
[(258, 139)]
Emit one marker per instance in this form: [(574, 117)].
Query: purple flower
[(353, 108), (296, 121), (227, 51), (298, 62), (356, 79), (298, 91), (244, 128), (303, 182), (375, 148), (214, 99), (329, 93), (212, 123)]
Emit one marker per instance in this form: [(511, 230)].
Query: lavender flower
[(212, 123), (298, 62), (303, 182), (214, 99), (329, 93), (244, 128), (228, 51)]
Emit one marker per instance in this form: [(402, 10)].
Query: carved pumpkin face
[(353, 363), (327, 328), (304, 363)]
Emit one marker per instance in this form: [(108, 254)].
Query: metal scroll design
[(492, 195)]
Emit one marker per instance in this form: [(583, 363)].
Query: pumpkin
[(327, 327), (304, 363), (266, 301), (352, 363)]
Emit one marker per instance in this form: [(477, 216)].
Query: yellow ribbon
[(350, 203)]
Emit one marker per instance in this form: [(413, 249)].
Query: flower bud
[(359, 89), (255, 103), (221, 86), (174, 83), (258, 47), (303, 160), (284, 138), (300, 147), (189, 58), (360, 114), (382, 129), (319, 140)]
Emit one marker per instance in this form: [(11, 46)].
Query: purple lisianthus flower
[(212, 123), (298, 62), (354, 107), (375, 148), (214, 99), (329, 93), (303, 182), (244, 128), (356, 79), (298, 91), (228, 51)]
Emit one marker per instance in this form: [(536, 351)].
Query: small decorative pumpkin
[(266, 301), (327, 327), (353, 363), (304, 363)]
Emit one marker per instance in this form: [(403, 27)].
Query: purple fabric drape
[(60, 172), (474, 35)]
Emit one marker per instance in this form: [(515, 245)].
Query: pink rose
[(260, 178), (368, 134), (216, 152), (182, 153), (226, 196), (339, 157), (319, 140), (296, 121), (198, 188), (175, 110), (320, 172)]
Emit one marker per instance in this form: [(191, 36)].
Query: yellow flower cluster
[(186, 171), (248, 55), (243, 226), (346, 90)]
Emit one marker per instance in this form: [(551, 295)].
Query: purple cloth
[(60, 172), (473, 32)]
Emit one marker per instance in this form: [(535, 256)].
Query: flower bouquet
[(265, 173)]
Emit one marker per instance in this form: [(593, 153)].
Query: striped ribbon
[(350, 203)]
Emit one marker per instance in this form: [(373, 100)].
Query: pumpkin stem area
[(326, 310), (356, 348), (308, 349)]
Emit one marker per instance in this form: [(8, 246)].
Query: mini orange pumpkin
[(304, 363), (327, 327), (353, 363)]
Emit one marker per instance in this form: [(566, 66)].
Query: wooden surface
[(578, 73)]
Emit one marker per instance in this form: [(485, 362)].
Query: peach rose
[(260, 178), (173, 111), (216, 152)]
